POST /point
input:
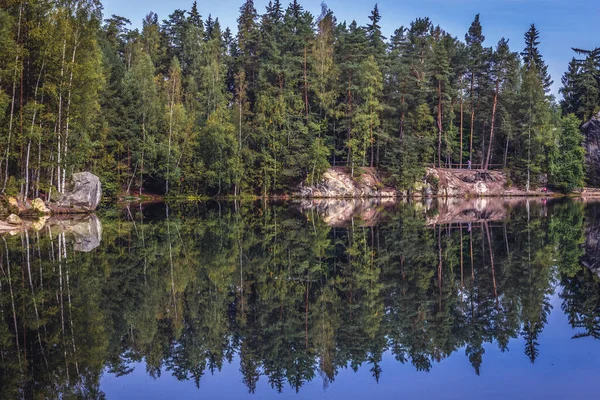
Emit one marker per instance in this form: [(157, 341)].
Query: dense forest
[(185, 106), (286, 298)]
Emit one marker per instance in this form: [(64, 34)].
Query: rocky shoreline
[(82, 197), (338, 183)]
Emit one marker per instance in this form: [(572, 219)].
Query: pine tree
[(248, 40), (441, 77), (533, 59), (570, 88), (366, 120), (585, 81), (474, 40), (353, 45), (567, 168), (376, 38), (500, 73)]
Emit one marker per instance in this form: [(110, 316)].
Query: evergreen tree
[(567, 172), (476, 64), (533, 59), (376, 38)]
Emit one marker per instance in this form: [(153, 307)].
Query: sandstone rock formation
[(39, 206), (591, 142), (337, 182), (472, 183), (83, 194)]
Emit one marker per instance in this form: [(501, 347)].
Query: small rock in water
[(14, 219)]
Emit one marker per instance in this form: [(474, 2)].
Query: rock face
[(337, 182), (471, 183), (84, 192), (591, 142), (460, 183)]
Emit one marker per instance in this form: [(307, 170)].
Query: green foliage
[(567, 170), (294, 94)]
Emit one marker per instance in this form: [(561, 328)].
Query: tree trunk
[(489, 152), (68, 111), (372, 139), (170, 137), (58, 126), (305, 87), (26, 189), (506, 151), (12, 104), (439, 123), (349, 100), (461, 124), (472, 118)]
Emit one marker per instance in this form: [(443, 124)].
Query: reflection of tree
[(581, 286), (294, 298), (581, 302)]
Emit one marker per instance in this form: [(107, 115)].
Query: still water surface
[(455, 300)]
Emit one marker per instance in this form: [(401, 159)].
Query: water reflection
[(291, 294)]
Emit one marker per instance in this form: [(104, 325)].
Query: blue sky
[(562, 23)]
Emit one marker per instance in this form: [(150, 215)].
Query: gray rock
[(87, 235), (84, 231), (84, 192), (591, 142)]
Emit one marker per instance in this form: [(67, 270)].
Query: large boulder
[(84, 192), (591, 142)]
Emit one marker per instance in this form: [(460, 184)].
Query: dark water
[(460, 300)]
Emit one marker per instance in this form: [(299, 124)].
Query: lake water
[(462, 299)]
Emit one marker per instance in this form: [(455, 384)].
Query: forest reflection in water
[(292, 292)]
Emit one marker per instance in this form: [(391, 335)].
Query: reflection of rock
[(337, 182), (84, 194), (40, 223), (87, 231), (456, 210), (344, 212), (591, 247), (13, 219)]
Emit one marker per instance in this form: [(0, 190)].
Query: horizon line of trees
[(183, 106)]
